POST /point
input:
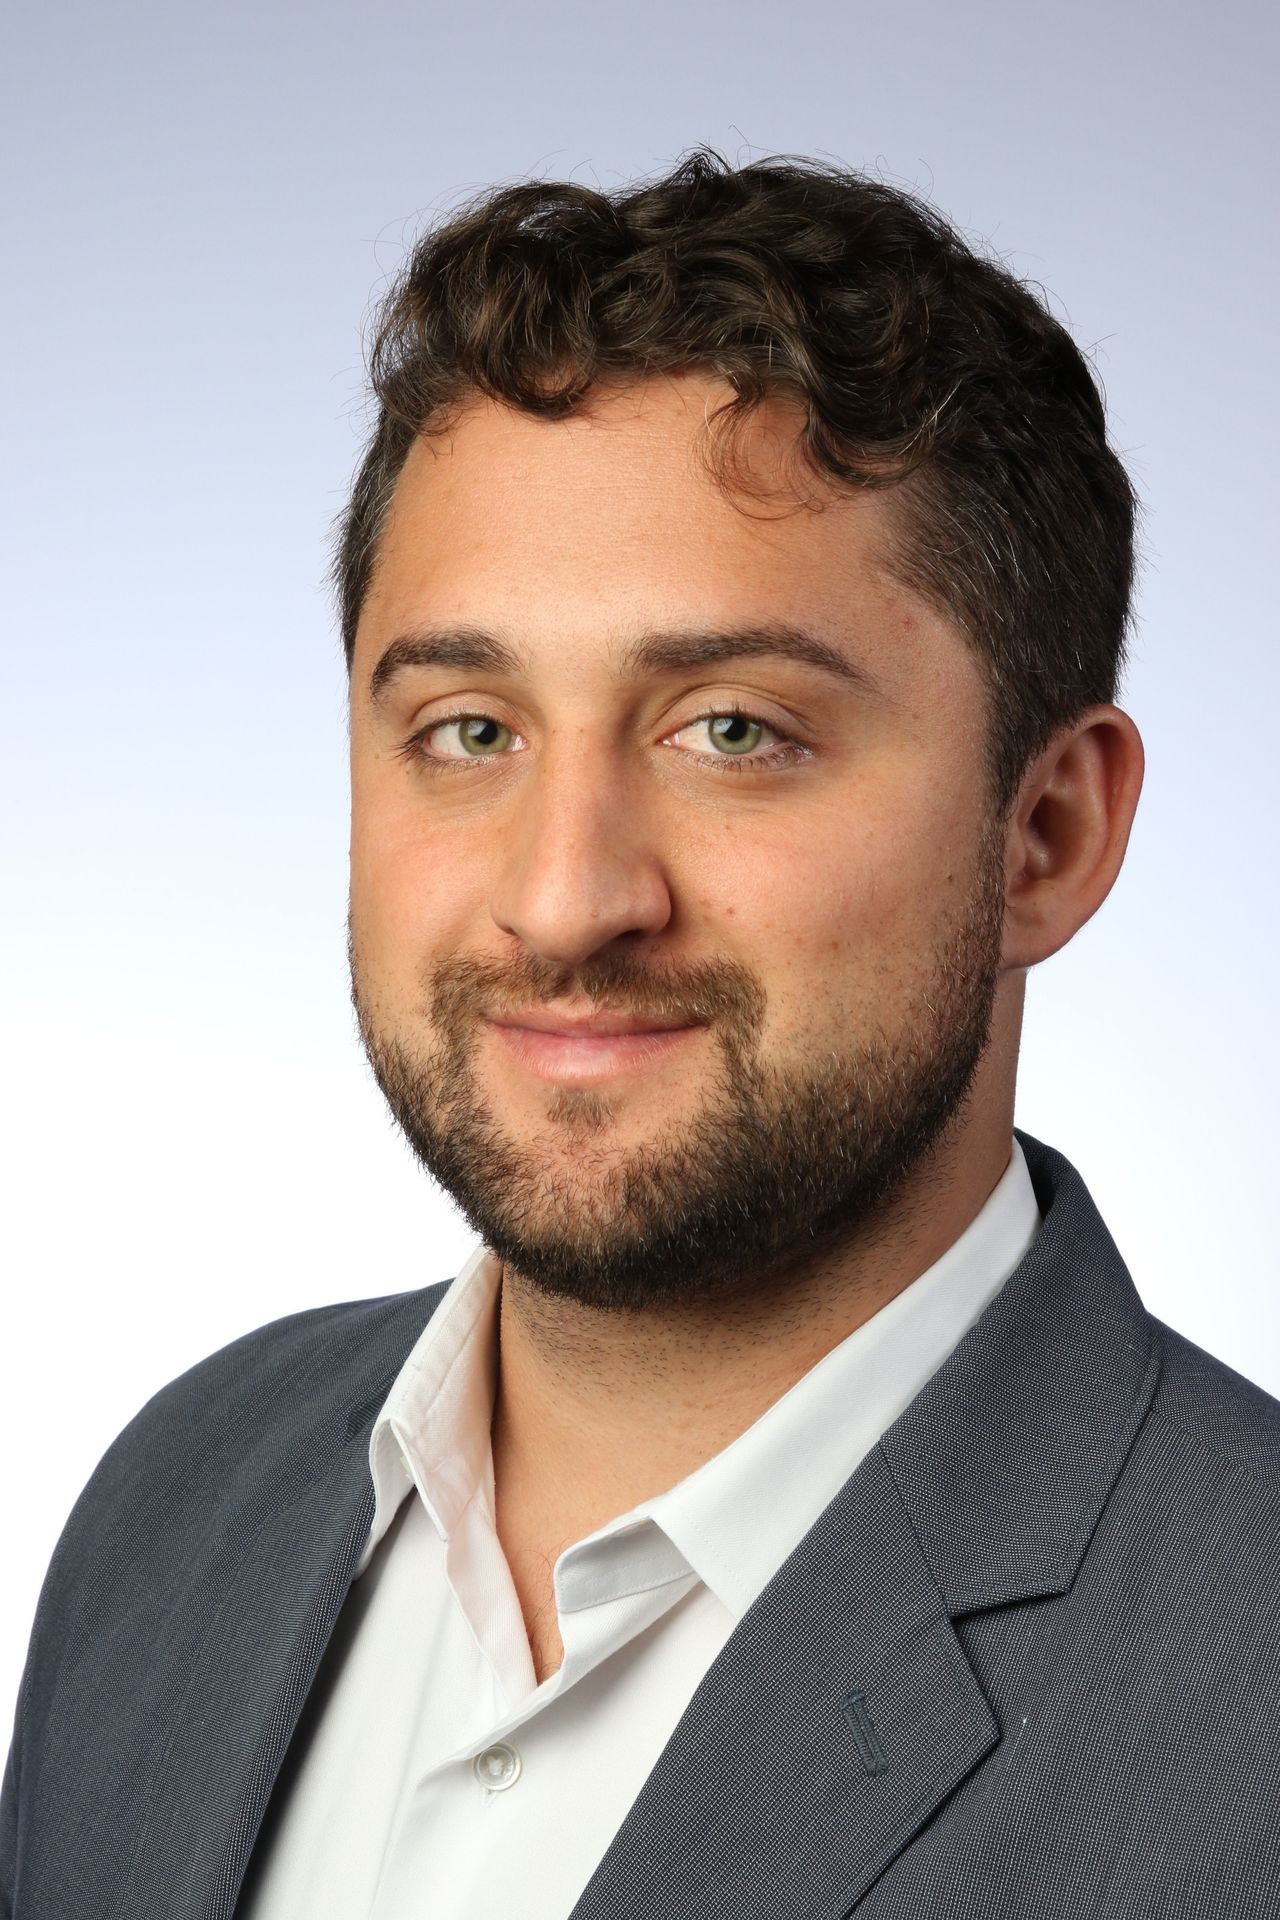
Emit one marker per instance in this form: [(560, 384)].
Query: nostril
[(568, 913)]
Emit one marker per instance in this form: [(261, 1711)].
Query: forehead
[(574, 533)]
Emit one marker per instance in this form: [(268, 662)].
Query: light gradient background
[(201, 204)]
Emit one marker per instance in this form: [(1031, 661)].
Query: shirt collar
[(727, 1518), (724, 1520), (432, 1432)]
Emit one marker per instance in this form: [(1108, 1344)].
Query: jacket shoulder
[(213, 1447), (1208, 1401), (293, 1374), (173, 1511), (277, 1366)]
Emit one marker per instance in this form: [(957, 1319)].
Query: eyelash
[(785, 755)]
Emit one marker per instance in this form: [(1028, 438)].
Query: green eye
[(735, 733), (480, 736)]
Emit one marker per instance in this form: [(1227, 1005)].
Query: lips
[(586, 1048), (588, 1026)]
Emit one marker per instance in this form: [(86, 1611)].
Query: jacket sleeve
[(9, 1830)]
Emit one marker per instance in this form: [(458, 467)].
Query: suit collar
[(839, 1714), (263, 1584), (726, 1517), (1005, 1459), (844, 1710)]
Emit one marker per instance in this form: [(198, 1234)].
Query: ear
[(1068, 832)]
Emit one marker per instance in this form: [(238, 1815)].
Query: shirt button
[(498, 1767)]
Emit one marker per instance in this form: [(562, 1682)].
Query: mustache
[(465, 989)]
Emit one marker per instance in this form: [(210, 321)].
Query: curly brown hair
[(917, 364)]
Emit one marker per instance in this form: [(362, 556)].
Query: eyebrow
[(474, 649), (469, 648), (667, 652)]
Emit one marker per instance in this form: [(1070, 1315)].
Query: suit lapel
[(843, 1710), (273, 1595), (839, 1714)]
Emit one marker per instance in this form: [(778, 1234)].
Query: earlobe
[(1070, 829)]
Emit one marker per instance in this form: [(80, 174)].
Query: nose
[(579, 867)]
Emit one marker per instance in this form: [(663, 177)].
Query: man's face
[(660, 803)]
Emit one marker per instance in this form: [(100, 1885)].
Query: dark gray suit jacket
[(1027, 1662)]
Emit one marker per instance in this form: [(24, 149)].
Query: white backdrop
[(201, 203)]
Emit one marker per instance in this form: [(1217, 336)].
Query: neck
[(598, 1410)]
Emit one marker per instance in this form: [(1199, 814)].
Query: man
[(791, 1509)]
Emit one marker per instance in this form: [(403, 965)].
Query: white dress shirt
[(432, 1778)]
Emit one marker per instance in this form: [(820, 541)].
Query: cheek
[(838, 922), (410, 888)]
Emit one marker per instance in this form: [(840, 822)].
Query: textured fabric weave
[(1026, 1663)]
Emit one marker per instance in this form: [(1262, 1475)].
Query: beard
[(782, 1166)]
